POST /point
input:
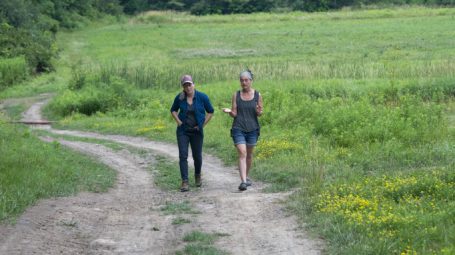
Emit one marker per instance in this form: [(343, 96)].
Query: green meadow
[(31, 170), (359, 115)]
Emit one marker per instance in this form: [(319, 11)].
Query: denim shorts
[(241, 137)]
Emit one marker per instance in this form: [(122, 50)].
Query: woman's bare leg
[(249, 159), (242, 152)]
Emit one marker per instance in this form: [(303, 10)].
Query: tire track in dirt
[(122, 220)]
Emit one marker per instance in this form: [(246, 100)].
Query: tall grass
[(371, 12), (147, 76), (12, 71)]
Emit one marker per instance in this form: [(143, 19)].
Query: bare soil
[(128, 219)]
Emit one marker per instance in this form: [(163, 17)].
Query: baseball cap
[(186, 79)]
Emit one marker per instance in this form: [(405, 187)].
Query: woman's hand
[(258, 110), (259, 106), (176, 118)]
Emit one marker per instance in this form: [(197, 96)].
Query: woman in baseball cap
[(191, 111)]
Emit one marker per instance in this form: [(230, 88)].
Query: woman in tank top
[(246, 108)]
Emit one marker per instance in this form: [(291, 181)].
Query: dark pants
[(195, 138)]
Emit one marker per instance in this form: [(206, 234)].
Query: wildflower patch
[(402, 207)]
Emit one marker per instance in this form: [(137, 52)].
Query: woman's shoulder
[(201, 94)]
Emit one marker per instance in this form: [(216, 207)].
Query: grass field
[(31, 170), (358, 109)]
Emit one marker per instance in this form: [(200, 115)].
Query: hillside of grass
[(358, 109)]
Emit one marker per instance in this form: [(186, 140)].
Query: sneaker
[(248, 182), (198, 181), (242, 186), (184, 187)]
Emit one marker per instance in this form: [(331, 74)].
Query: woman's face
[(245, 82), (188, 88)]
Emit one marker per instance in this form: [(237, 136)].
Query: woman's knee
[(242, 154), (197, 158)]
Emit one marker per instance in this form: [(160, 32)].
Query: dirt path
[(128, 220)]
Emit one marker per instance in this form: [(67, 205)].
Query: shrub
[(92, 96)]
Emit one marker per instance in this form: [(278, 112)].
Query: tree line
[(203, 7)]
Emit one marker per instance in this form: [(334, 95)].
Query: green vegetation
[(31, 170), (364, 95), (418, 204), (203, 7), (167, 174), (201, 244), (28, 30), (12, 71), (14, 111), (45, 83), (197, 236), (200, 249), (359, 110)]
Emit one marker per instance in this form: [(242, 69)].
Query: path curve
[(127, 219)]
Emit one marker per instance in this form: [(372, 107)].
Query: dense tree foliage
[(203, 7), (28, 27)]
